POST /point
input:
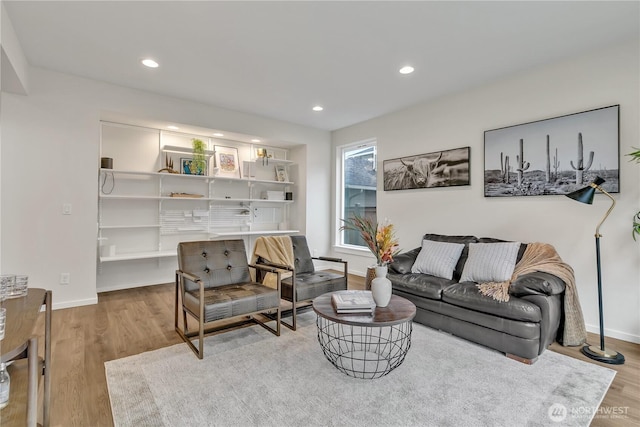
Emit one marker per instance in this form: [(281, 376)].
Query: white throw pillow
[(490, 262), (437, 258)]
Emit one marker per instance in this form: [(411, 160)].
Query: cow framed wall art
[(446, 168), (553, 156)]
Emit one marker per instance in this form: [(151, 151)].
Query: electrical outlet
[(66, 209), (65, 278)]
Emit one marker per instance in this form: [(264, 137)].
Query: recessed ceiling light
[(317, 108), (150, 63), (255, 140), (218, 134), (172, 127), (407, 69)]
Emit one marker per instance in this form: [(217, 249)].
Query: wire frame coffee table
[(365, 346)]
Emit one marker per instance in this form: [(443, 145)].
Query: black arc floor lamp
[(600, 354)]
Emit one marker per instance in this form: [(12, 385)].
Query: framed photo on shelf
[(188, 166), (227, 161), (281, 173)]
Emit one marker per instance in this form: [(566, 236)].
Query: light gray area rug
[(250, 377)]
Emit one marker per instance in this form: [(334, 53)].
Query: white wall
[(50, 156), (597, 80)]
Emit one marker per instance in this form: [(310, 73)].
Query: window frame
[(340, 188)]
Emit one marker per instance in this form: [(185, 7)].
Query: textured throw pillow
[(490, 262), (437, 258)]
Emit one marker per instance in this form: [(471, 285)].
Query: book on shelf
[(353, 302)]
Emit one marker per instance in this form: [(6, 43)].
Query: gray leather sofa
[(522, 328)]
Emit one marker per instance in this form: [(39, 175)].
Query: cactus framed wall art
[(554, 156)]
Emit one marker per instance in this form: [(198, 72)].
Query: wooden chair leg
[(185, 327)]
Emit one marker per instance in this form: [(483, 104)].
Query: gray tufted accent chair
[(213, 282), (306, 282)]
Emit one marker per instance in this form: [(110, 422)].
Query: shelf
[(267, 181), (124, 197), (210, 199), (139, 255), (273, 161), (116, 227), (202, 177), (252, 233), (184, 150), (156, 174), (250, 200)]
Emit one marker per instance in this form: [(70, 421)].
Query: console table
[(365, 345), (21, 342)]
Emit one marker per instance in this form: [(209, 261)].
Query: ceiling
[(279, 59)]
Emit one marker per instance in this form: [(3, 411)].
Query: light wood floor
[(133, 321)]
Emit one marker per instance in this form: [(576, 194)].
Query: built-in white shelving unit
[(143, 213)]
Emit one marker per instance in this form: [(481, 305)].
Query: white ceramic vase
[(381, 287)]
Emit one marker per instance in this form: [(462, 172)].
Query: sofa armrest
[(536, 283), (403, 262)]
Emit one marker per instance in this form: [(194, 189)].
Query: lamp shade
[(586, 194)]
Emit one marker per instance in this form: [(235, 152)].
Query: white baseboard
[(76, 303), (122, 286), (611, 333)]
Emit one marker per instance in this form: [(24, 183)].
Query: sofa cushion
[(467, 295), (422, 285), (403, 262), (454, 239), (490, 262), (312, 285), (523, 246), (438, 258)]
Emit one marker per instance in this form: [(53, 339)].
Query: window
[(356, 188)]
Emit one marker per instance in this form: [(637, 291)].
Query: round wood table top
[(399, 310)]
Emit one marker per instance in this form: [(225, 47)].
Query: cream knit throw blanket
[(275, 249), (543, 257)]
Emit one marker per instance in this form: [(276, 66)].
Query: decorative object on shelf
[(186, 195), (541, 147), (381, 287), (445, 168), (586, 195), (261, 153), (199, 160), (248, 169), (168, 165), (191, 167), (288, 195), (273, 195), (281, 173), (106, 162), (227, 161)]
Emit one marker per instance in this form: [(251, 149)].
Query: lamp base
[(605, 356)]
